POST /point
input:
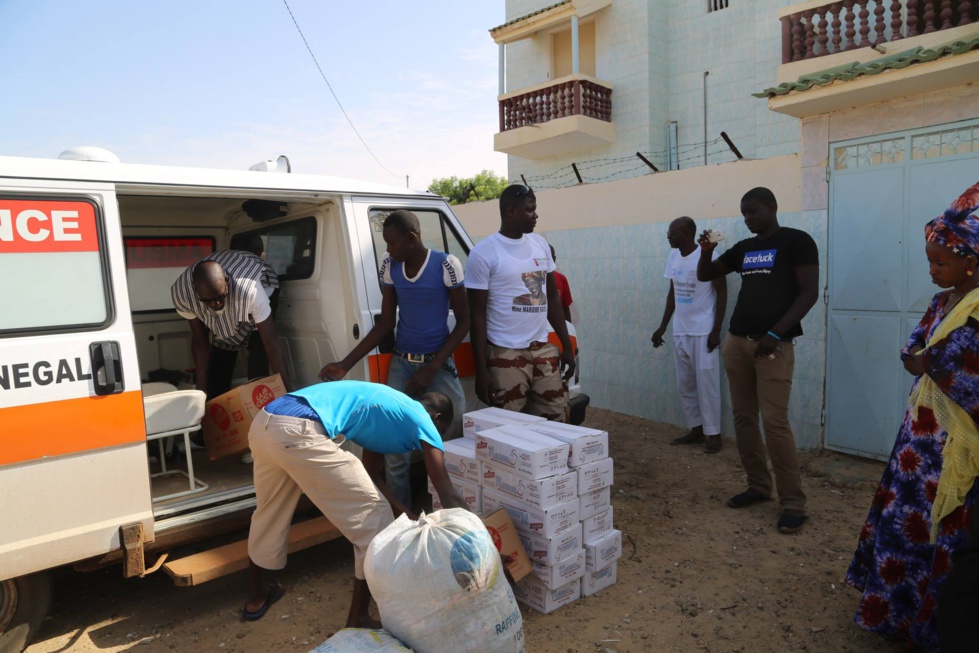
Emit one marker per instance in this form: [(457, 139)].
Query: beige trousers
[(293, 456), (764, 385)]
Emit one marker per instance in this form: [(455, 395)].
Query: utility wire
[(323, 75)]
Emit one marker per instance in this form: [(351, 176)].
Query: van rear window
[(153, 264), (52, 263), (289, 247)]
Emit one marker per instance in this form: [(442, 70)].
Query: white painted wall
[(655, 52), (611, 243)]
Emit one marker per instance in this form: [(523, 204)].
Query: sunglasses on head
[(523, 190)]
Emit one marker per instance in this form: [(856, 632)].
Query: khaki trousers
[(765, 384), (293, 456)]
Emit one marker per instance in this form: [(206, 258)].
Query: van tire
[(24, 603)]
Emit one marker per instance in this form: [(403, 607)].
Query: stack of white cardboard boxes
[(554, 481)]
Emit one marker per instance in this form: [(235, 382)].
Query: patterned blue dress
[(895, 565)]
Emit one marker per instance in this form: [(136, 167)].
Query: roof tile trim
[(855, 69), (533, 13)]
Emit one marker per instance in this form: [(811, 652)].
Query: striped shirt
[(250, 282)]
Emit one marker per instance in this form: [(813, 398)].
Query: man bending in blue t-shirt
[(296, 440), (418, 285)]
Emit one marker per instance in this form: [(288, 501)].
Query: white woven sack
[(361, 640), (439, 585)]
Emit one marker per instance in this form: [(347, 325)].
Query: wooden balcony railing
[(578, 97), (850, 24)]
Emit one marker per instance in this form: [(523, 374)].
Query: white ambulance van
[(88, 250)]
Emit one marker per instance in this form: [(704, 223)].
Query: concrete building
[(859, 114)]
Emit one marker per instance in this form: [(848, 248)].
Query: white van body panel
[(68, 507), (66, 490)]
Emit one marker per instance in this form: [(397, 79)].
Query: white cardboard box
[(595, 502), (549, 550), (472, 493), (525, 453), (542, 493), (595, 527), (562, 573), (546, 521), (596, 581), (461, 461), (595, 476), (603, 551), (530, 591), (587, 445), (490, 418)]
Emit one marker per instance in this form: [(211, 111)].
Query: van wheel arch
[(24, 603)]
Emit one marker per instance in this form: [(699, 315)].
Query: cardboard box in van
[(227, 418), (490, 418)]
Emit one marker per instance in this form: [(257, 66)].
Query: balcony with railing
[(840, 53), (570, 114), (818, 29)]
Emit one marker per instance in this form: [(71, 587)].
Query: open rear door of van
[(73, 456)]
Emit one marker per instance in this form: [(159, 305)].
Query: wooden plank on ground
[(223, 560)]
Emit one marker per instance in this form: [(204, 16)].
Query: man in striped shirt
[(227, 296)]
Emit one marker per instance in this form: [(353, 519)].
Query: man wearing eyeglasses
[(227, 296), (512, 298)]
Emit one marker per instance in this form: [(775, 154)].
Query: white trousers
[(698, 380)]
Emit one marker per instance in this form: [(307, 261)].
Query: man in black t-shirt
[(779, 270)]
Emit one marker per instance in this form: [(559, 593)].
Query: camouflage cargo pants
[(528, 380)]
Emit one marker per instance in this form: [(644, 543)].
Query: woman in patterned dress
[(921, 511)]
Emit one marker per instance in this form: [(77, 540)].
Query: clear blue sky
[(227, 83)]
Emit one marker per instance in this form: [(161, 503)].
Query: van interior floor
[(220, 475)]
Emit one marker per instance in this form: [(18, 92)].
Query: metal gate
[(882, 192)]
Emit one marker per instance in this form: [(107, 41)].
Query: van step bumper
[(223, 560)]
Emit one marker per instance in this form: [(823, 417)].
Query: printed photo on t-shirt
[(535, 284)]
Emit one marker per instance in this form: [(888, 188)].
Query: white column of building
[(502, 68), (575, 58)]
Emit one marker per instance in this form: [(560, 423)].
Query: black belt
[(413, 358)]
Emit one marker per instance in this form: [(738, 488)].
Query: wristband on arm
[(775, 336)]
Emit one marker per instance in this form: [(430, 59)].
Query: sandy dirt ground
[(695, 575)]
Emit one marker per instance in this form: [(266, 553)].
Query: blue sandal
[(276, 592)]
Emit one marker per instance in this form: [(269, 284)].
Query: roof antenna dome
[(88, 153)]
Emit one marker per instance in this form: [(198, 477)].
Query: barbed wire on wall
[(600, 170)]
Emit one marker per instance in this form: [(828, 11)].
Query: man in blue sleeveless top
[(418, 287), (296, 440)]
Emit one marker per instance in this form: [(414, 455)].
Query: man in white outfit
[(699, 308)]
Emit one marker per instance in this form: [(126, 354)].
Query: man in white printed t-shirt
[(512, 297), (699, 308)]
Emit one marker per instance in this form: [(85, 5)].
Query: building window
[(561, 51), (716, 5)]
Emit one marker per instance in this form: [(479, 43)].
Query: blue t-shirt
[(371, 415), (423, 301)]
